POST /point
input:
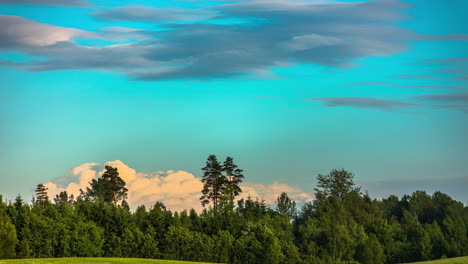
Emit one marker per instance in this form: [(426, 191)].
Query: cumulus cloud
[(178, 190)]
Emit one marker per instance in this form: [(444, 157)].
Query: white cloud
[(305, 42), (22, 31), (178, 190)]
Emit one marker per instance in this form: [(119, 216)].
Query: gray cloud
[(364, 102), (462, 107), (457, 70), (444, 37), (409, 76), (372, 83), (451, 98), (69, 3), (21, 33), (449, 60), (456, 101), (153, 14), (271, 34)]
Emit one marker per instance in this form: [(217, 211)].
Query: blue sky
[(288, 88)]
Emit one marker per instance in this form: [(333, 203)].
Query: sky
[(288, 88)]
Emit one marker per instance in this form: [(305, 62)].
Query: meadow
[(461, 260), (93, 261)]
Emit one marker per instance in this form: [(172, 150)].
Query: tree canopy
[(109, 187), (342, 225)]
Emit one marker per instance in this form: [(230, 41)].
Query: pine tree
[(234, 177), (41, 195), (286, 206), (214, 182), (110, 187), (8, 238), (63, 198)]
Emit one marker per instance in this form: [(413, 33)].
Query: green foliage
[(286, 206), (109, 187), (8, 238), (342, 225), (256, 245), (234, 177), (41, 195), (214, 182), (337, 184), (220, 182)]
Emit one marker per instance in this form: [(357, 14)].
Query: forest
[(342, 225)]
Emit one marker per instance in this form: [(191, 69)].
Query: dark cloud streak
[(65, 3), (364, 102)]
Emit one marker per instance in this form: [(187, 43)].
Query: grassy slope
[(92, 261), (462, 260)]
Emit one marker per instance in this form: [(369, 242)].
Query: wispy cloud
[(444, 37), (372, 83), (21, 33), (153, 14), (68, 3), (409, 76), (364, 102), (452, 97), (449, 60)]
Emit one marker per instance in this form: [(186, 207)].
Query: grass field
[(461, 260), (92, 261)]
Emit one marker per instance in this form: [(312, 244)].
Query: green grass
[(92, 261), (461, 260)]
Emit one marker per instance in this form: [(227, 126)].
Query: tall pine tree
[(234, 177), (214, 182), (41, 195)]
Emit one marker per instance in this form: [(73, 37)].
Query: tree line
[(342, 224)]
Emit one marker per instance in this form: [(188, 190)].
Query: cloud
[(263, 35), (178, 190), (444, 37), (67, 3), (402, 85), (455, 70), (20, 33), (409, 76), (364, 102), (449, 60), (153, 14), (451, 98)]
